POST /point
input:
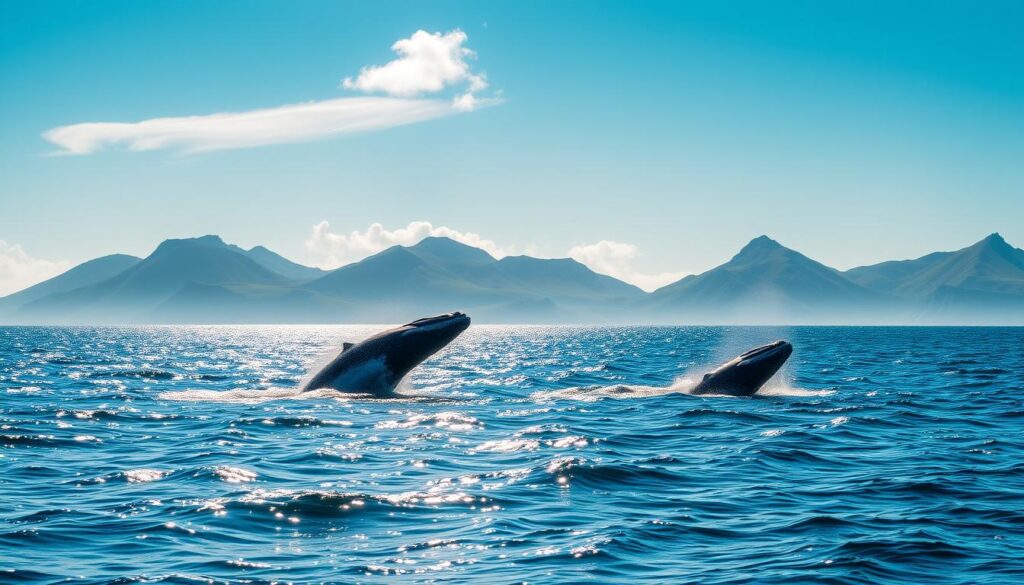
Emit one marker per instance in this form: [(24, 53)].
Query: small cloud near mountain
[(333, 250), (617, 259), (18, 269)]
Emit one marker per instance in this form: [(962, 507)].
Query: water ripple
[(537, 454)]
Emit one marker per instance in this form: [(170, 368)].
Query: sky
[(647, 140)]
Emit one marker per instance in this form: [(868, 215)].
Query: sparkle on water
[(181, 454)]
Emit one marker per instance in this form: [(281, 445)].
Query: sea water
[(521, 454)]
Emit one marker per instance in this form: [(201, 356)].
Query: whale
[(746, 373), (377, 364)]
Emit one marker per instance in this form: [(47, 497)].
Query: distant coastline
[(205, 280)]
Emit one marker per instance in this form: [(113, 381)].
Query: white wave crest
[(253, 395)]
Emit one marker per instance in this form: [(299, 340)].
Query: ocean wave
[(295, 505), (141, 475), (47, 440), (148, 374), (291, 421), (537, 454)]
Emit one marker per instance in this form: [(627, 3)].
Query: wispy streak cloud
[(231, 130), (427, 63)]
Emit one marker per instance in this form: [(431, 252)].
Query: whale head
[(747, 372), (413, 343)]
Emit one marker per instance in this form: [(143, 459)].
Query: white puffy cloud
[(616, 259), (229, 130), (331, 250), (465, 103), (18, 270), (427, 63)]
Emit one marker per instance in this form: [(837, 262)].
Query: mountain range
[(205, 280)]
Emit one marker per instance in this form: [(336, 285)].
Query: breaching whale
[(745, 374), (377, 364)]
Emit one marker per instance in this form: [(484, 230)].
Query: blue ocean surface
[(527, 454)]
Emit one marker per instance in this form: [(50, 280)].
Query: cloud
[(427, 63), (615, 259), (18, 270), (331, 250), (465, 103), (230, 130)]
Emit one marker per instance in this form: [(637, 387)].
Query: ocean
[(523, 454)]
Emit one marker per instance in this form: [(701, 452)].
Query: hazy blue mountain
[(275, 262), (439, 274), (888, 276), (206, 280), (980, 283), (237, 303), (766, 283), (135, 292), (84, 274), (989, 266), (564, 278), (448, 250)]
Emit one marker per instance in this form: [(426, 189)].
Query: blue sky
[(674, 132)]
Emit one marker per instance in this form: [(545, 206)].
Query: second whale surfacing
[(746, 373), (377, 364)]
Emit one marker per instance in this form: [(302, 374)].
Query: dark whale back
[(746, 373), (377, 364)]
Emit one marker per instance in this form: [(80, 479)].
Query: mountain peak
[(995, 240), (995, 248), (760, 245), (994, 244), (207, 240), (450, 249)]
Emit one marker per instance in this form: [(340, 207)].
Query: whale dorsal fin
[(346, 346)]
